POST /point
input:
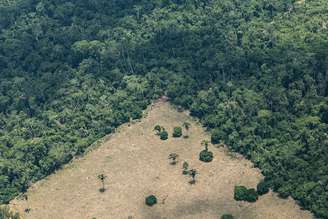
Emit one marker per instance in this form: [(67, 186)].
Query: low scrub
[(177, 132), (151, 200), (243, 194)]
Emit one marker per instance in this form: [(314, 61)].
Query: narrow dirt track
[(136, 164)]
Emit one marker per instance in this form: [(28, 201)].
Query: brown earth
[(136, 164)]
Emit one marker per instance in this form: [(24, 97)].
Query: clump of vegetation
[(102, 178), (186, 126), (216, 136), (263, 187), (158, 129), (137, 114), (151, 200), (185, 167), (241, 193), (206, 155), (163, 135), (5, 213), (227, 216), (193, 173), (177, 132), (173, 157)]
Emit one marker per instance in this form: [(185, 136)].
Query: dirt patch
[(136, 164)]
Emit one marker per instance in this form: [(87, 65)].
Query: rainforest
[(253, 72)]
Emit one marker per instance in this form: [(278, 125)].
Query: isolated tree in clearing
[(193, 173), (185, 166), (163, 135), (177, 132), (151, 200), (158, 129), (186, 126), (205, 155), (102, 178), (205, 144), (173, 157)]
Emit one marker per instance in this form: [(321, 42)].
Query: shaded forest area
[(255, 72)]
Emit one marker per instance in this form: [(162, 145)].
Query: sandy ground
[(136, 164)]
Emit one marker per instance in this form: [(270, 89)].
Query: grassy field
[(136, 164)]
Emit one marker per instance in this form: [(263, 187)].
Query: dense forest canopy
[(255, 72)]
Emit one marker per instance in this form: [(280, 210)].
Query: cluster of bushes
[(241, 193), (163, 134)]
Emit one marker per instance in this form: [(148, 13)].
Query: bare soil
[(136, 164)]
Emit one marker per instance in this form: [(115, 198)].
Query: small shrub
[(241, 193), (186, 125), (206, 156), (177, 132), (102, 178), (151, 200), (227, 216), (263, 187), (173, 157), (185, 167), (163, 135), (158, 128), (193, 174)]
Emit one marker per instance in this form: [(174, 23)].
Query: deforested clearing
[(136, 165)]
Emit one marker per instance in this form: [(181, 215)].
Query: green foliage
[(241, 193), (216, 136), (151, 200), (253, 73), (185, 168), (163, 135), (158, 128), (206, 156), (263, 187), (177, 132), (227, 216)]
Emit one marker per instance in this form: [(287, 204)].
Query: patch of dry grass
[(136, 164)]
